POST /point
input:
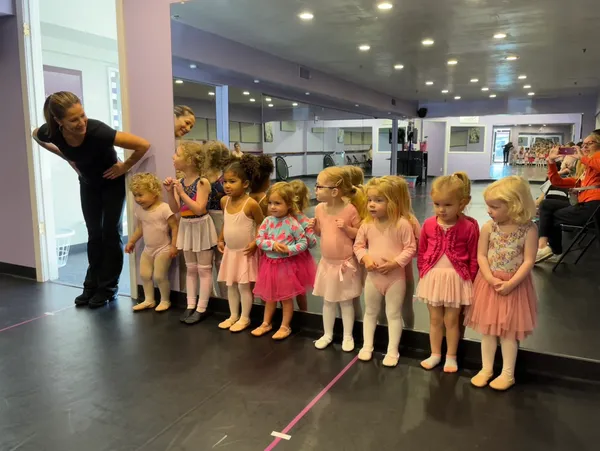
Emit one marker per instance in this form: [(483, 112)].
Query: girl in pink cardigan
[(447, 262)]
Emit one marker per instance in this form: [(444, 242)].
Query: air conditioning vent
[(394, 102), (304, 73)]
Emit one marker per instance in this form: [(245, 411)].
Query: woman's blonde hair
[(194, 155), (515, 192), (457, 184), (395, 190), (145, 181), (357, 176), (340, 179), (302, 194), (286, 192), (580, 166)]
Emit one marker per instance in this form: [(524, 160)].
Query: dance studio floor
[(111, 380)]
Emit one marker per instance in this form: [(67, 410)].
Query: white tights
[(199, 265), (394, 298), (155, 269), (509, 347), (236, 293), (329, 314)]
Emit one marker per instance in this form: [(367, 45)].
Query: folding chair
[(355, 161), (328, 161), (591, 227), (348, 160)]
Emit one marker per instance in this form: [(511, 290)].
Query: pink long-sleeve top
[(396, 243), (458, 243), (284, 230)]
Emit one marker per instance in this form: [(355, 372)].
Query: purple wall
[(16, 224), (7, 7)]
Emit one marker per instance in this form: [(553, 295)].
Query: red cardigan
[(459, 244)]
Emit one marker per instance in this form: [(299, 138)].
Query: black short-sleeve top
[(96, 153)]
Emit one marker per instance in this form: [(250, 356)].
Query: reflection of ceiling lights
[(270, 105), (499, 36), (444, 91), (307, 93), (246, 93), (452, 62), (427, 41), (456, 97), (385, 6), (512, 58), (294, 104), (522, 77), (252, 100), (256, 81), (527, 87), (364, 47), (179, 82), (306, 15), (492, 96), (485, 89), (531, 93), (428, 83), (474, 80), (211, 93), (399, 66), (268, 99), (356, 105), (193, 66)]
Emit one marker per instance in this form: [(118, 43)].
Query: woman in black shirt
[(88, 146)]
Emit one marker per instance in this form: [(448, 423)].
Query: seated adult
[(553, 213)]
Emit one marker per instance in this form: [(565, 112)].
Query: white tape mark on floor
[(49, 314), (280, 435), (219, 442)]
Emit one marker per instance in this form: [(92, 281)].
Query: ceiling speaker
[(422, 112)]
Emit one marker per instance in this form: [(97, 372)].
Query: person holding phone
[(553, 213)]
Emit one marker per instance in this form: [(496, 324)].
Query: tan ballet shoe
[(481, 379), (163, 306), (264, 328), (282, 333), (227, 323), (390, 361), (144, 305), (502, 383), (365, 355), (240, 325)]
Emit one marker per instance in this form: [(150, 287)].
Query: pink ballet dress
[(338, 276), (155, 228), (239, 230), (278, 273), (307, 268), (512, 316)]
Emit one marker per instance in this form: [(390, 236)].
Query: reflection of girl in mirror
[(447, 262), (504, 301), (260, 185), (385, 245), (197, 235), (306, 262), (237, 150), (184, 120), (237, 241), (281, 238), (338, 281)]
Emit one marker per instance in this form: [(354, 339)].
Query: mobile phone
[(566, 151)]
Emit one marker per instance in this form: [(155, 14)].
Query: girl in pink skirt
[(447, 262), (281, 238), (504, 301)]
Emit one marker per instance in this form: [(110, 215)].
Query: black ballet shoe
[(186, 314), (197, 316)]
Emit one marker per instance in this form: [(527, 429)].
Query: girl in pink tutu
[(338, 279), (237, 242), (504, 301), (447, 262), (306, 262), (385, 245), (281, 238)]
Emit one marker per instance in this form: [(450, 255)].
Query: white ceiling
[(548, 36)]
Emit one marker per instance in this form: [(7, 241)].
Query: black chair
[(590, 228), (348, 160), (366, 163), (355, 161), (282, 171), (328, 161)]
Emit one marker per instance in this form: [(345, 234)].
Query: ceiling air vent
[(304, 73), (394, 102)]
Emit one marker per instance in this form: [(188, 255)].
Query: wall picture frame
[(474, 136), (269, 132), (287, 126)]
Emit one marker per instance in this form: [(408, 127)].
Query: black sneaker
[(185, 315), (84, 298), (99, 300), (197, 316)]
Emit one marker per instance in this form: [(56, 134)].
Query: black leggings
[(554, 212), (102, 205)]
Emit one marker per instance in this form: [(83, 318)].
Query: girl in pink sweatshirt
[(447, 262)]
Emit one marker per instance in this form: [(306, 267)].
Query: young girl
[(338, 281), (237, 241), (154, 221), (306, 262), (385, 245), (504, 301), (260, 184), (197, 235), (281, 238), (447, 262)]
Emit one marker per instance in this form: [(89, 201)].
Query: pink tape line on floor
[(34, 319)]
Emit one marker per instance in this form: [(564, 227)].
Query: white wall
[(89, 16)]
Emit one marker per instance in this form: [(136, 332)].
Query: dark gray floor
[(111, 380)]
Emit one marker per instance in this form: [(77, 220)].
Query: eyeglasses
[(590, 144), (325, 187)]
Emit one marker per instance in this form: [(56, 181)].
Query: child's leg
[(233, 297), (436, 334), (285, 330), (509, 347), (489, 344), (329, 311), (393, 311), (302, 302), (146, 269), (245, 293), (408, 312), (266, 326), (452, 325), (373, 300), (162, 263), (358, 314), (347, 309), (205, 260), (191, 279)]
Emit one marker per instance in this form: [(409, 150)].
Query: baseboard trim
[(533, 366), (18, 270)]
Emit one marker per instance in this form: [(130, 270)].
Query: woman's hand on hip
[(116, 170)]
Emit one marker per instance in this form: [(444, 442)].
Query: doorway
[(501, 139)]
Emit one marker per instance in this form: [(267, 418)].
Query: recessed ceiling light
[(452, 62), (428, 83), (499, 36), (252, 100), (527, 87), (399, 66), (522, 77), (246, 93), (256, 81), (364, 47), (179, 82), (427, 41), (294, 104), (485, 89), (356, 104), (531, 93), (270, 105), (306, 15), (512, 58), (385, 6), (492, 96), (268, 99), (456, 97), (529, 125), (307, 93), (193, 66), (211, 93), (444, 91), (474, 80)]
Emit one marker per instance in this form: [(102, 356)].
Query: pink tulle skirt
[(512, 316), (307, 269), (278, 279), (443, 287)]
